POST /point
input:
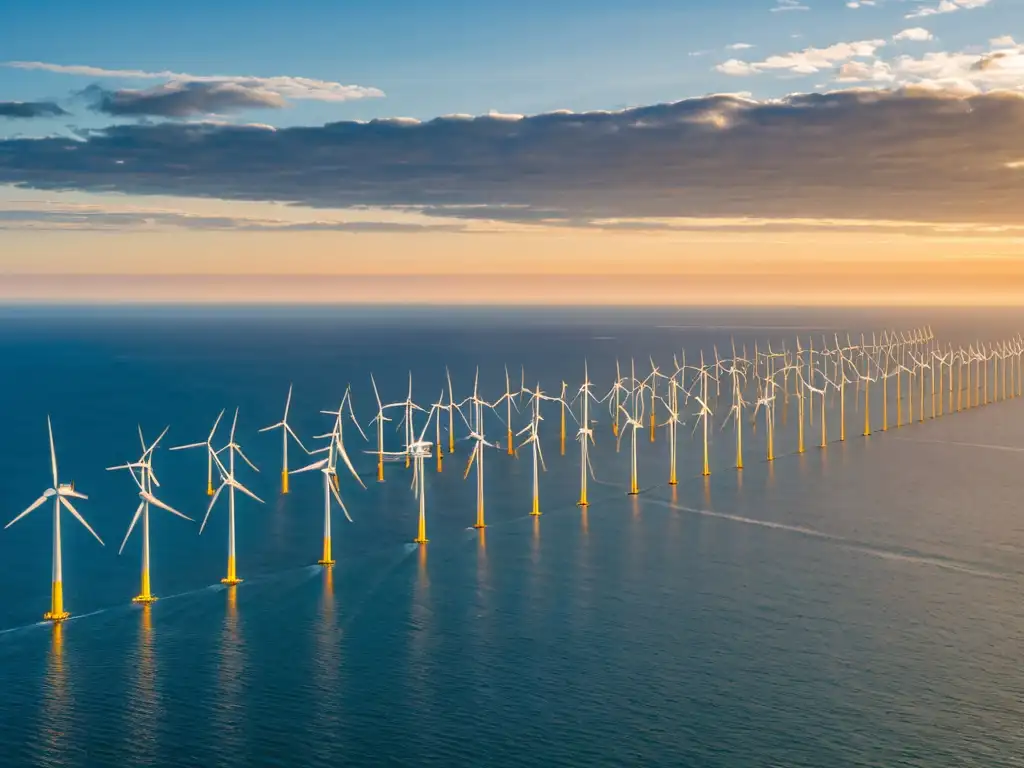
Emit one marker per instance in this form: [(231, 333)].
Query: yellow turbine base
[(418, 540), (583, 501), (511, 447), (145, 599), (326, 559), (56, 612), (284, 481), (615, 429), (479, 526), (407, 460), (232, 577), (380, 471), (209, 489), (337, 483)]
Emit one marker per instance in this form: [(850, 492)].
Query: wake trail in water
[(845, 543), (988, 446)]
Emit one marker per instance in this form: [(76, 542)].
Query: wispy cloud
[(30, 109), (914, 34), (806, 62), (861, 3), (789, 5), (946, 6), (739, 46), (806, 156), (294, 88)]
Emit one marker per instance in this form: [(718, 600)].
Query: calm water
[(857, 606)]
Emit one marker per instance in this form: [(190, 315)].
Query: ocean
[(857, 605)]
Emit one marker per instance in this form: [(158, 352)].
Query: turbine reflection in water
[(326, 672), (228, 703), (145, 712), (57, 721)]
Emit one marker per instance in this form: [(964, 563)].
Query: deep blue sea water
[(853, 606)]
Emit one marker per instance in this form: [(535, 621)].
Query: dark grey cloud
[(30, 109), (910, 154), (182, 99)]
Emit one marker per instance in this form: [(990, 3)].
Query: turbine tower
[(145, 480), (60, 493)]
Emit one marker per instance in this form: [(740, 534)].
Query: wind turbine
[(736, 411), (328, 467), (407, 420), (705, 410), (476, 433), (672, 422), (533, 428), (228, 480), (380, 418), (584, 433), (145, 480), (286, 430), (509, 399), (59, 492), (615, 398), (208, 444)]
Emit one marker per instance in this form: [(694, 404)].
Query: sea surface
[(857, 605)]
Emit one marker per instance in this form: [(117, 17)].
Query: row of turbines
[(931, 380)]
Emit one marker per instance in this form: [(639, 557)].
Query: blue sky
[(451, 56)]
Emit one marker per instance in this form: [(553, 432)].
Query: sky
[(557, 152)]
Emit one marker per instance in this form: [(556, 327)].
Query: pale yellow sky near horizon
[(697, 261)]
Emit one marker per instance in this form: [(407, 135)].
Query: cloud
[(789, 5), (1004, 41), (806, 62), (30, 109), (292, 88), (945, 6), (182, 99), (1002, 67), (860, 3), (914, 34), (914, 154), (739, 46), (79, 219)]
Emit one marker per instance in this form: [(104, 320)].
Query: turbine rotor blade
[(131, 527), (80, 519)]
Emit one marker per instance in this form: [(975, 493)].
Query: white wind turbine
[(673, 421), (584, 433), (420, 450), (615, 398), (228, 481), (145, 480), (328, 466), (634, 421), (533, 428), (476, 434), (286, 430), (379, 419), (509, 399), (208, 445), (406, 421), (736, 410), (59, 492)]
